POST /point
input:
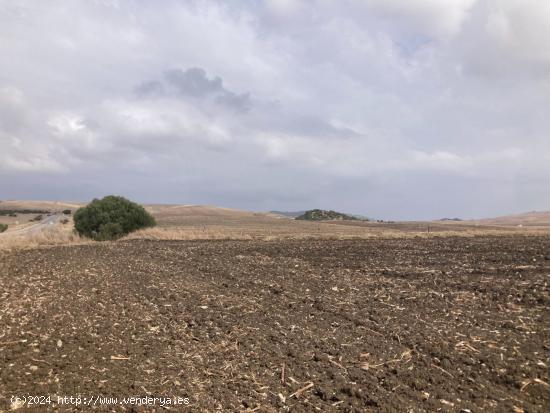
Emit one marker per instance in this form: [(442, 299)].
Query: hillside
[(197, 215), (162, 211), (38, 205), (288, 214), (196, 210), (324, 215), (534, 218)]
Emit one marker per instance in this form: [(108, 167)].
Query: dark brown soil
[(441, 324)]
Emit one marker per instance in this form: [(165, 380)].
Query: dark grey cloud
[(150, 88), (194, 83)]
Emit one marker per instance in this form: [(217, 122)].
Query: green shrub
[(67, 211), (3, 227), (324, 215), (110, 218)]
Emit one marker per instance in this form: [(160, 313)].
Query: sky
[(416, 109)]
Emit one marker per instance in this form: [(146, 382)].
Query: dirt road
[(36, 227)]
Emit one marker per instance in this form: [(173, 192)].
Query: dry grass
[(297, 231), (167, 233), (48, 205), (19, 220), (58, 235)]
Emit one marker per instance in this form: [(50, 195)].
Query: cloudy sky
[(396, 109)]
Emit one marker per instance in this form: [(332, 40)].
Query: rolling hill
[(534, 218)]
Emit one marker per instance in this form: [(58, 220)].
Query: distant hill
[(196, 210), (534, 218), (324, 215), (289, 214), (38, 205)]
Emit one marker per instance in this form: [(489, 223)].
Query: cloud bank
[(401, 110)]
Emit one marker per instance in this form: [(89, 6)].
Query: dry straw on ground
[(58, 235), (319, 231), (65, 234)]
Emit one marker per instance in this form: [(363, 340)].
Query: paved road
[(38, 227)]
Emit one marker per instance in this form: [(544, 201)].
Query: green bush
[(3, 227), (110, 218), (67, 211)]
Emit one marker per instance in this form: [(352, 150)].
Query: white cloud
[(66, 124), (285, 8), (432, 17), (520, 29), (30, 163), (13, 113), (507, 39), (477, 164)]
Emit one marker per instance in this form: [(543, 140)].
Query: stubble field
[(381, 324)]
